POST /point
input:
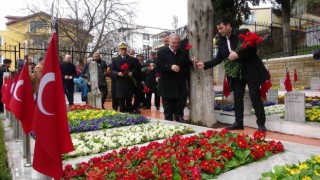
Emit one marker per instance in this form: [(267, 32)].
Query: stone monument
[(295, 106), (94, 97)]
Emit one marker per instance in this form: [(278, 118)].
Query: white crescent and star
[(12, 88), (19, 83), (49, 77)]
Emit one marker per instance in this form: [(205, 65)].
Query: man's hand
[(175, 68), (233, 56), (120, 74), (66, 77), (130, 73), (70, 77), (200, 65)]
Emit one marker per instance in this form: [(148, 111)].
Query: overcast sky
[(155, 13)]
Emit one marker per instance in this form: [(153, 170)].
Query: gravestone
[(247, 104), (295, 106), (315, 83), (282, 87), (94, 97), (272, 96)]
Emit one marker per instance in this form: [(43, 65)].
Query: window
[(252, 17), (145, 47), (34, 25), (146, 37)]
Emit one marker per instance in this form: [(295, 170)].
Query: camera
[(316, 54)]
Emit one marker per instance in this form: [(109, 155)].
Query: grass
[(5, 173)]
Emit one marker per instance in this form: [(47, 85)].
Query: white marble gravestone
[(94, 97), (315, 83), (272, 96), (282, 87), (295, 106), (247, 104)]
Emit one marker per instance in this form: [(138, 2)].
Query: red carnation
[(124, 68), (188, 46)]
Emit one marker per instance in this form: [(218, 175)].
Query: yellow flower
[(294, 171), (306, 178), (303, 166), (317, 158), (317, 172)]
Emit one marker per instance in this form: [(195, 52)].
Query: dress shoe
[(158, 108), (146, 107), (136, 111), (180, 119), (235, 126), (262, 128)]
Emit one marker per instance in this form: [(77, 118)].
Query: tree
[(92, 20), (200, 26), (175, 20)]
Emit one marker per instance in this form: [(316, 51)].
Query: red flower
[(250, 40), (146, 90), (259, 135), (157, 74), (188, 46), (124, 68), (242, 143)]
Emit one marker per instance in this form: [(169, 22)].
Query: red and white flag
[(8, 93), (50, 118), (265, 87), (295, 75), (226, 90), (22, 101), (4, 89)]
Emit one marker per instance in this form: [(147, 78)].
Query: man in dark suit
[(172, 64), (253, 73), (124, 78), (151, 82), (69, 72)]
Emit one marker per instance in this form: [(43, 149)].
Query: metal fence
[(305, 38)]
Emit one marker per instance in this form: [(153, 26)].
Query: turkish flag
[(295, 75), (22, 101), (226, 90), (265, 87), (50, 118), (8, 93), (4, 89), (287, 82)]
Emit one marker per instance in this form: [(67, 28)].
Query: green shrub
[(5, 173)]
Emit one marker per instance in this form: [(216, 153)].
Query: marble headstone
[(247, 104), (94, 97), (315, 83), (295, 106), (272, 96)]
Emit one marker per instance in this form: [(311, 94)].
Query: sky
[(154, 13)]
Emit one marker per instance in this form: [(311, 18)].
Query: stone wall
[(306, 69), (305, 65)]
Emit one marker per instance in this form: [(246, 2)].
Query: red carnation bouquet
[(124, 68), (188, 46), (233, 68), (146, 90)]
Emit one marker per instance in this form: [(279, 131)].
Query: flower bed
[(313, 114), (102, 119), (275, 109), (308, 170), (196, 157), (80, 107), (224, 105), (89, 143)]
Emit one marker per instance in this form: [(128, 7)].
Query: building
[(30, 35)]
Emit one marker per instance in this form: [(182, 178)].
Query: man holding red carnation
[(240, 46), (122, 69)]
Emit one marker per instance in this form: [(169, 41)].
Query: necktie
[(124, 57), (228, 42)]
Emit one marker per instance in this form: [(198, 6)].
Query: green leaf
[(155, 169), (112, 175), (207, 176), (173, 159), (208, 156), (191, 163), (278, 170), (176, 177)]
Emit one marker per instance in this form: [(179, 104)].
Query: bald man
[(69, 72)]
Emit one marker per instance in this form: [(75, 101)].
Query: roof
[(15, 19)]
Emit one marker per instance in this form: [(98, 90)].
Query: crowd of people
[(165, 74)]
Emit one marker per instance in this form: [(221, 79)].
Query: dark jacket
[(172, 84), (68, 69), (124, 84), (252, 65), (102, 73), (151, 75)]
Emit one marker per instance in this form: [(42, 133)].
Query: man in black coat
[(253, 73), (172, 64), (151, 82), (69, 72), (3, 68), (125, 82)]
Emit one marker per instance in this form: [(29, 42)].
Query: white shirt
[(228, 42)]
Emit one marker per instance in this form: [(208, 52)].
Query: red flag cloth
[(264, 88), (226, 90), (295, 75), (4, 89), (22, 102), (15, 79), (287, 82), (50, 118), (8, 94)]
